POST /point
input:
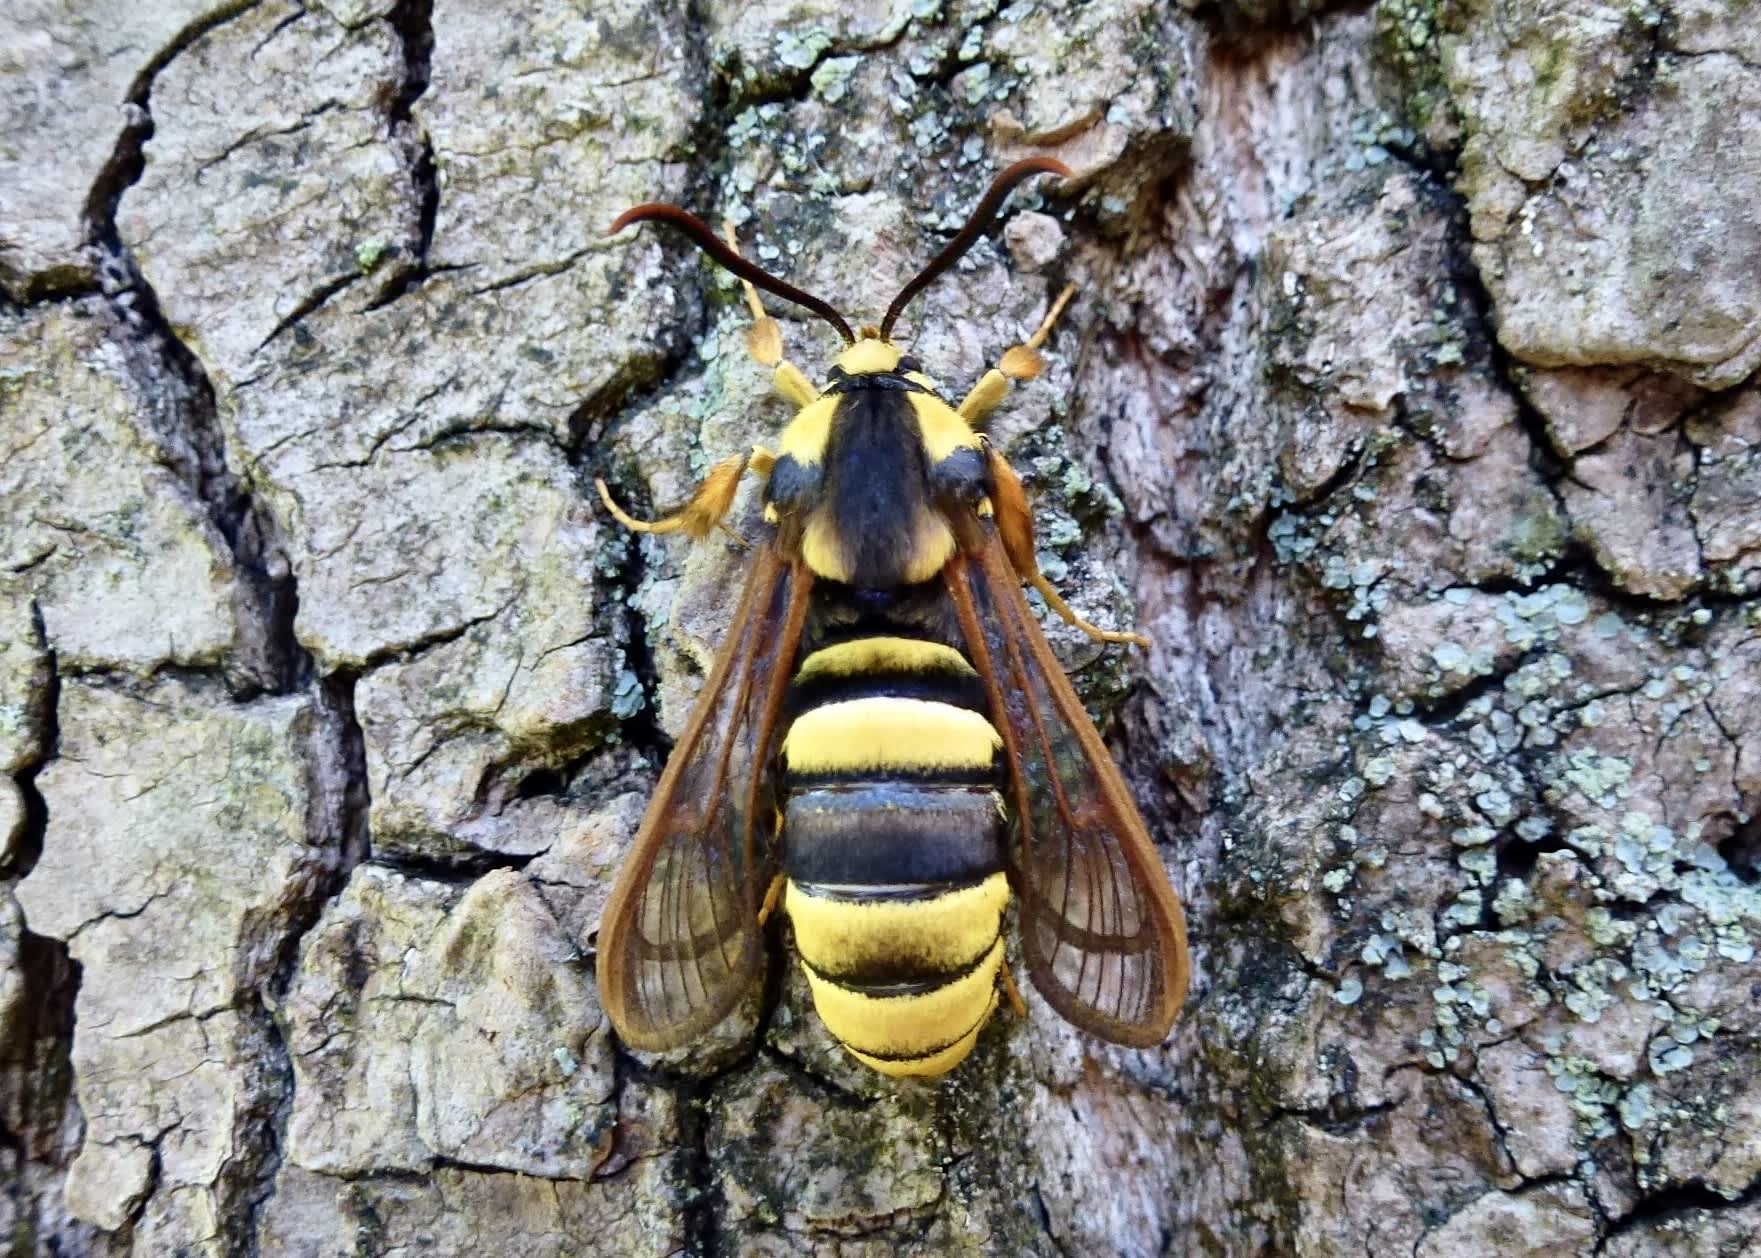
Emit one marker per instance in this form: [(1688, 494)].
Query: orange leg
[(772, 898), (708, 504), (1014, 519), (1056, 602), (1013, 992)]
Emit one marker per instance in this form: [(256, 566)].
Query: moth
[(886, 747)]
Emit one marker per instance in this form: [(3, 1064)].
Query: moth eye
[(910, 363)]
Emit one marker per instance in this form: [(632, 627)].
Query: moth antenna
[(700, 235), (969, 234)]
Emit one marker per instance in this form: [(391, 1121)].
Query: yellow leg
[(670, 524), (764, 341), (1057, 604), (702, 515), (986, 396), (1022, 362)]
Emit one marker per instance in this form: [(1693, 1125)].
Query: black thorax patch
[(876, 484)]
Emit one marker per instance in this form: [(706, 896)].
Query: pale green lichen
[(1592, 988), (14, 717), (628, 697), (1472, 836), (1607, 931), (1513, 904), (1635, 1107), (1386, 952), (1450, 656), (1480, 864), (1493, 800), (1464, 911), (1591, 1093), (1533, 828), (799, 50), (831, 78), (1538, 538), (1603, 780), (1520, 956), (1666, 1055), (974, 83)]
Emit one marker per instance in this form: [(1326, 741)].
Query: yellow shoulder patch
[(932, 545), (822, 548), (804, 439), (943, 430)]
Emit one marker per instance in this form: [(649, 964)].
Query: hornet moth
[(886, 747)]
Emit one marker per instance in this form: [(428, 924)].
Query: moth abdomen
[(892, 845)]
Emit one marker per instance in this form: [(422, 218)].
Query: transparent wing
[(1101, 928), (679, 942)]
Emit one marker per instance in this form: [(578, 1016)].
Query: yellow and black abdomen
[(892, 846)]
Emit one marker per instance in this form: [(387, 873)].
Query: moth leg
[(702, 514), (1012, 992), (1014, 519), (1056, 602), (1022, 362), (764, 341), (772, 898)]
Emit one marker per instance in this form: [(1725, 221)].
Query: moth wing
[(680, 942), (1102, 931)]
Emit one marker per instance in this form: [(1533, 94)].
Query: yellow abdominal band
[(884, 732), (865, 656), (924, 1032)]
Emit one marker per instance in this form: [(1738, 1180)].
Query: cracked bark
[(328, 701)]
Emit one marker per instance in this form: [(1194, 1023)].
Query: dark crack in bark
[(413, 20)]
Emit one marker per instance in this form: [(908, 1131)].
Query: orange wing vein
[(1102, 931), (679, 942)]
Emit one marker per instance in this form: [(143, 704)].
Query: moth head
[(869, 354)]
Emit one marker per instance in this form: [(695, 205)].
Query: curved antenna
[(969, 234), (705, 239)]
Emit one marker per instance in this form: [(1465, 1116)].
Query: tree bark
[(1407, 404)]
